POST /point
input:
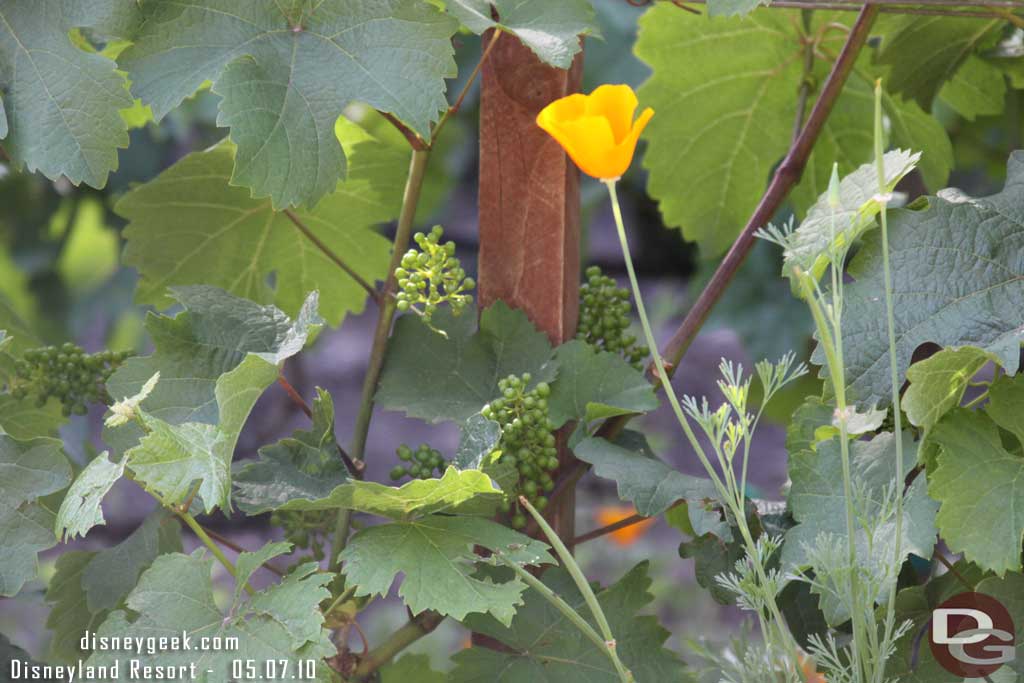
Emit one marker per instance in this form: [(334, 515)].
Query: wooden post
[(529, 204)]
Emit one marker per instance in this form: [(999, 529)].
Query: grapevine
[(431, 276), (423, 462), (605, 316), (68, 373), (527, 442)]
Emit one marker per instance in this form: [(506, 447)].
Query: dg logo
[(972, 635)]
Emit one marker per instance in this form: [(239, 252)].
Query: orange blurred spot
[(810, 670), (609, 514)]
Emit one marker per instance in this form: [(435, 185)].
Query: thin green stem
[(417, 627), (831, 343), (659, 363), (385, 314), (608, 647), (454, 109), (331, 256), (406, 219), (890, 317), (569, 564), (788, 643)]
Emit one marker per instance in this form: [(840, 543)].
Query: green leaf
[(464, 493), (80, 509), (28, 470), (114, 571), (170, 458), (70, 616), (60, 112), (410, 668), (957, 281), (802, 431), (913, 128), (712, 557), (731, 8), (544, 647), (87, 585), (214, 360), (304, 466), (824, 227), (723, 123), (922, 53), (977, 89), (593, 385), (175, 595), (190, 226), (734, 115), (937, 384), (642, 479), (478, 438), (436, 556), (550, 29), (24, 420), (286, 76), (818, 504), (460, 367), (980, 483)]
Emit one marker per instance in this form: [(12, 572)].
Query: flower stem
[(728, 498), (890, 317), (569, 564)]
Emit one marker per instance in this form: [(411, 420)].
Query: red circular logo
[(972, 635)]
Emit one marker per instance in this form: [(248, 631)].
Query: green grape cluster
[(431, 276), (66, 372), (423, 462), (307, 529), (605, 313), (527, 442)]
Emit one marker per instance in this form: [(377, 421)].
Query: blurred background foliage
[(61, 279)]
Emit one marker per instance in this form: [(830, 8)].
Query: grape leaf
[(69, 616), (478, 438), (937, 384), (924, 52), (731, 8), (976, 89), (544, 647), (713, 556), (817, 502), (734, 127), (723, 123), (858, 206), (28, 470), (593, 385), (642, 479), (980, 483), (436, 556), (80, 509), (957, 281), (460, 367), (175, 595), (114, 571), (550, 29), (189, 226), (913, 128), (808, 418), (466, 493), (214, 360), (305, 465), (285, 76), (60, 110)]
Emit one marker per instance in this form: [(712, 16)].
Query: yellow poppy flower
[(597, 130)]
